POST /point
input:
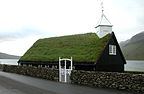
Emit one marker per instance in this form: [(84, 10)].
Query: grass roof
[(82, 47)]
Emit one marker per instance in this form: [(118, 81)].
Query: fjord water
[(9, 61), (132, 65)]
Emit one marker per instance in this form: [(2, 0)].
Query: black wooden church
[(98, 51)]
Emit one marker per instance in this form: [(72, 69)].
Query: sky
[(22, 22)]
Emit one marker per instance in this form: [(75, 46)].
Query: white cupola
[(104, 26)]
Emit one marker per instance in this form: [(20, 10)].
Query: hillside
[(133, 49), (82, 47), (7, 56)]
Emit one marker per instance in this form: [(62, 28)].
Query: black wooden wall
[(114, 63)]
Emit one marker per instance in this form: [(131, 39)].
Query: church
[(98, 51)]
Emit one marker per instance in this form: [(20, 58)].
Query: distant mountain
[(133, 49), (7, 56)]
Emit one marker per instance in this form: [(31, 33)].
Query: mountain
[(7, 56), (133, 49)]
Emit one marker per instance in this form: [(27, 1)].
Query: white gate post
[(65, 72), (71, 63), (59, 69)]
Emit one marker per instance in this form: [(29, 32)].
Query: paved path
[(19, 84)]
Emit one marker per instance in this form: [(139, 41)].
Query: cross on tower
[(102, 7)]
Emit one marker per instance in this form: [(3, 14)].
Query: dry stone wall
[(45, 73), (129, 81), (121, 81)]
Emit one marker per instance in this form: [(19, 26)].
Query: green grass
[(82, 47)]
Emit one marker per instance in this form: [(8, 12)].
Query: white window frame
[(112, 49)]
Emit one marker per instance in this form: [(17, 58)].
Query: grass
[(82, 47)]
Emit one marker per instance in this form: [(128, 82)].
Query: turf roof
[(82, 47)]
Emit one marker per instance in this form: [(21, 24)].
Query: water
[(9, 61), (132, 65)]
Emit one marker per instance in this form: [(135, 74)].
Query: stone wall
[(45, 73), (129, 81), (121, 81), (1, 66)]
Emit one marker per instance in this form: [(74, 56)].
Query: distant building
[(90, 51)]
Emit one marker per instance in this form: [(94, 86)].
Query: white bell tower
[(104, 26)]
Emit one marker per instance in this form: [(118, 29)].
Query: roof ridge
[(70, 35)]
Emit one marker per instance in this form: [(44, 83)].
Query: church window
[(112, 49)]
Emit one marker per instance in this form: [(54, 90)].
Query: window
[(112, 50)]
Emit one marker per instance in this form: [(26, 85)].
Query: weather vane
[(102, 7)]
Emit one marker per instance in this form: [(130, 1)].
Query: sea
[(132, 65), (9, 61)]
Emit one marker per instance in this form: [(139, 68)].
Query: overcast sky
[(22, 22)]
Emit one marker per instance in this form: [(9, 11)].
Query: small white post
[(65, 72), (59, 69), (71, 63)]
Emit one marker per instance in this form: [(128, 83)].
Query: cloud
[(28, 20), (11, 35), (17, 47), (17, 41)]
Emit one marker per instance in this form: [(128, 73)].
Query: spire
[(103, 20), (104, 26), (102, 7)]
